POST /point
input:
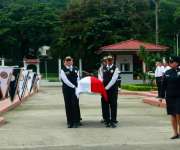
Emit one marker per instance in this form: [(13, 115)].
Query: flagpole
[(80, 67), (59, 68)]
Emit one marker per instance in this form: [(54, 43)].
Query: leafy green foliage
[(26, 24), (83, 26), (88, 25), (149, 58)]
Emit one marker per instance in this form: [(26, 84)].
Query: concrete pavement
[(40, 124)]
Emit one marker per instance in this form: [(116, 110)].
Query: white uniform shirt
[(159, 71), (166, 68), (100, 73), (65, 79), (114, 78)]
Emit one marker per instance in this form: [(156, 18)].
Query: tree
[(83, 26), (177, 19), (26, 26), (149, 59), (88, 25)]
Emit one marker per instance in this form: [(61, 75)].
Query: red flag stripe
[(98, 87)]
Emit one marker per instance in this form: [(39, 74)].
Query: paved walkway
[(39, 124)]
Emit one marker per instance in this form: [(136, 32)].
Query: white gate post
[(25, 64), (144, 67), (38, 69), (2, 62), (59, 68), (80, 67)]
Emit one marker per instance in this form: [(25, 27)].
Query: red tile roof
[(132, 45)]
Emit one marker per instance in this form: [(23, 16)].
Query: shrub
[(137, 87)]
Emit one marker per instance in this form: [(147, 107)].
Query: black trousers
[(159, 85), (103, 107), (79, 112), (71, 105), (109, 108)]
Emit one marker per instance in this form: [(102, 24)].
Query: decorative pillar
[(25, 64), (59, 68), (164, 60), (38, 68), (2, 62), (80, 67), (144, 67), (123, 68)]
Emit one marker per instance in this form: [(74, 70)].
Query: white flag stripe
[(84, 85)]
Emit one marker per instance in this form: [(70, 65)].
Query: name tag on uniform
[(112, 71), (67, 72), (178, 73)]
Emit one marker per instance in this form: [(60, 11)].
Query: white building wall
[(124, 59), (126, 77)]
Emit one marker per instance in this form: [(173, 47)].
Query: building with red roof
[(126, 55)]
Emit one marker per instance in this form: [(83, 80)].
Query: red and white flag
[(91, 85)]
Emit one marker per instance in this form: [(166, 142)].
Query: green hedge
[(52, 77), (138, 87), (53, 80)]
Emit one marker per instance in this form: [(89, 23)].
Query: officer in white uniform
[(158, 75), (100, 77), (70, 76), (110, 77)]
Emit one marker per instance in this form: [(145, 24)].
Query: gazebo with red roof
[(126, 57)]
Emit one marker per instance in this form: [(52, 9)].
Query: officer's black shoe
[(103, 121), (115, 121), (79, 124), (70, 125), (75, 125), (107, 124), (175, 137), (113, 125)]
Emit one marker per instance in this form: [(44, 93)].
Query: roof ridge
[(135, 40), (117, 43), (155, 44)]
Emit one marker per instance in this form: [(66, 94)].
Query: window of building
[(125, 67)]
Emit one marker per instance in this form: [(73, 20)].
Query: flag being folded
[(91, 85)]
